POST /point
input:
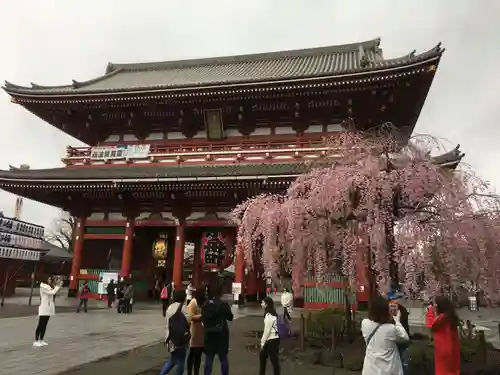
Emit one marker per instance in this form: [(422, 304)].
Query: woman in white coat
[(382, 333), (46, 309)]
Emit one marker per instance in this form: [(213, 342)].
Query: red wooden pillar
[(127, 249), (297, 287), (252, 285), (179, 256), (197, 269), (77, 253)]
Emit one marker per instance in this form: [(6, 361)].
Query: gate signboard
[(120, 152)]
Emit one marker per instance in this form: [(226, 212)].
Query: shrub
[(421, 353), (320, 325)]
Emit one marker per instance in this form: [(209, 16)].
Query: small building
[(174, 146), (21, 248), (56, 261)]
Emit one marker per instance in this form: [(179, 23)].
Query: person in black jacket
[(110, 291), (214, 315), (121, 304)]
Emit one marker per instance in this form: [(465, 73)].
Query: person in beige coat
[(197, 332)]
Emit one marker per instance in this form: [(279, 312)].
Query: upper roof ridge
[(253, 57)]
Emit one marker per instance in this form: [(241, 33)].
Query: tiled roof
[(104, 174), (114, 173), (265, 67), (55, 253)]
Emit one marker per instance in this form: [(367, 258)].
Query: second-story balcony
[(195, 153)]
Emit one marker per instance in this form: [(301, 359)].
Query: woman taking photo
[(270, 342), (443, 321), (382, 332), (46, 309), (197, 332)]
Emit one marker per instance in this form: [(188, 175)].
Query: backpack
[(282, 329), (215, 323), (178, 329), (164, 293)]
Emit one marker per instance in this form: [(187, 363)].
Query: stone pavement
[(76, 339), (148, 360)]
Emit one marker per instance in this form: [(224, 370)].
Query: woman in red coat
[(443, 321)]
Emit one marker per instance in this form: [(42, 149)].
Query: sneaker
[(37, 344), (43, 343)]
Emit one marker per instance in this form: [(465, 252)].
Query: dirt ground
[(149, 360)]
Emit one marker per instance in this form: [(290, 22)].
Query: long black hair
[(199, 296), (269, 309), (445, 306), (179, 296)]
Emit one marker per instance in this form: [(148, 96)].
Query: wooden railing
[(208, 148)]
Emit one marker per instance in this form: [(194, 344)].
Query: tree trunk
[(393, 265), (348, 311), (370, 277)]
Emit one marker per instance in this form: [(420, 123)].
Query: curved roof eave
[(35, 88)]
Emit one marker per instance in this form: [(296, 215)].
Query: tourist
[(157, 290), (177, 333), (110, 291), (46, 309), (189, 292), (84, 297), (164, 297), (286, 302), (197, 332), (119, 295), (270, 341), (128, 298), (395, 305), (214, 315), (443, 321), (382, 333)]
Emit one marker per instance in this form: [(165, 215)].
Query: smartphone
[(393, 308)]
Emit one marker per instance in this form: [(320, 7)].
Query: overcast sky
[(55, 41)]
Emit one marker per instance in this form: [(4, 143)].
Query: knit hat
[(394, 295)]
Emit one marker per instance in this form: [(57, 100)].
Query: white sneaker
[(43, 343), (37, 344)]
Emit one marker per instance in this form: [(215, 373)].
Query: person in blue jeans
[(395, 298), (177, 358), (214, 315)]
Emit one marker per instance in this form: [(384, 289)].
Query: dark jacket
[(404, 318), (214, 314), (110, 289), (128, 292)]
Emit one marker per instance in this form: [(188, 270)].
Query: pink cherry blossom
[(393, 206)]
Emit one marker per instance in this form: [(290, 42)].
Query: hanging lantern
[(215, 250), (160, 248)]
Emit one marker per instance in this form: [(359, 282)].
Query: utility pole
[(19, 200)]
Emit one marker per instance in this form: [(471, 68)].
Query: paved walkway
[(148, 360), (76, 339)]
